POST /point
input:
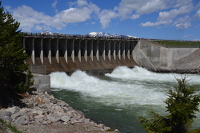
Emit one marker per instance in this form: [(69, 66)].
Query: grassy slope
[(171, 43)]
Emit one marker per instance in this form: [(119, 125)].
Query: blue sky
[(159, 19)]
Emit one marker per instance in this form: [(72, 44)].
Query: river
[(118, 98)]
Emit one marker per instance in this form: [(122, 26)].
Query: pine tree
[(12, 56), (182, 103)]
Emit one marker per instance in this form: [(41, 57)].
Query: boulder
[(65, 118), (5, 113), (13, 110), (6, 118), (52, 118), (21, 121), (14, 116)]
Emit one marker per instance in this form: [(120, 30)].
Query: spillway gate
[(68, 53)]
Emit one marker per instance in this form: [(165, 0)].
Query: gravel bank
[(45, 114)]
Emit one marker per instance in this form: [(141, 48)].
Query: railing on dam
[(69, 36)]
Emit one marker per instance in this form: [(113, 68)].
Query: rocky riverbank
[(180, 71), (44, 113)]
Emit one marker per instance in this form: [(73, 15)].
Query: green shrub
[(12, 57), (182, 103), (25, 86)]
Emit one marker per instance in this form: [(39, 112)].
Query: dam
[(99, 55), (68, 53)]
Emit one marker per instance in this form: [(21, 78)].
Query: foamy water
[(126, 87), (142, 87)]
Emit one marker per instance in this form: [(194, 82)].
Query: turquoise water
[(117, 99)]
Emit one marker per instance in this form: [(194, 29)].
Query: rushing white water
[(134, 90), (139, 73), (135, 86)]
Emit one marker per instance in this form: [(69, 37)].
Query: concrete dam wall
[(99, 55), (69, 53), (157, 58)]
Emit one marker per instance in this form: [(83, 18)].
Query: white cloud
[(82, 10), (105, 17), (167, 17), (156, 23), (73, 15), (81, 3), (175, 12), (30, 19), (127, 7), (182, 23), (197, 15), (151, 6), (133, 9), (179, 3), (187, 36), (38, 27), (135, 16), (54, 4)]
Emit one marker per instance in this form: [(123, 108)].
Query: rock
[(70, 114), (56, 107), (6, 118), (81, 120), (65, 118), (21, 121), (86, 121), (14, 116), (51, 96), (46, 99), (48, 121), (58, 114), (53, 101), (44, 122), (116, 130), (106, 128), (73, 120), (13, 110), (52, 118), (62, 104), (101, 125), (34, 111), (39, 112), (38, 100), (5, 113), (39, 116), (39, 120), (43, 108)]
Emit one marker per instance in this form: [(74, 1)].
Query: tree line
[(15, 76)]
